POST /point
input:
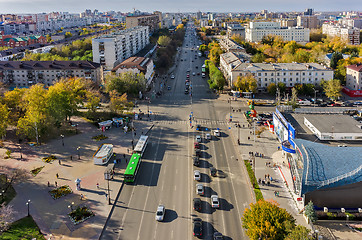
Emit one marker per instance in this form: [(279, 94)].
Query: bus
[(141, 145), (132, 168), (203, 68)]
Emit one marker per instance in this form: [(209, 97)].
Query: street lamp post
[(76, 128), (109, 193), (71, 206), (21, 154), (78, 152), (62, 136), (28, 204)]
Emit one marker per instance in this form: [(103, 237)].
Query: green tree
[(310, 212), (93, 101), (265, 220), (4, 114), (336, 56), (223, 33), (238, 39), (258, 58), (299, 233), (164, 41), (68, 34), (272, 88), (126, 82), (332, 89)]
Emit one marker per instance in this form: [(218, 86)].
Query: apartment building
[(137, 65), (27, 73), (235, 29), (152, 21), (308, 21), (12, 42), (110, 50), (266, 73), (349, 34), (354, 77), (257, 30)]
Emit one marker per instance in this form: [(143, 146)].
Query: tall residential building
[(349, 34), (308, 12), (235, 29), (307, 21), (265, 73), (354, 77), (198, 15), (257, 30), (152, 21), (110, 50), (27, 73)]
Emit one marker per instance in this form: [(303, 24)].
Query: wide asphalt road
[(166, 173)]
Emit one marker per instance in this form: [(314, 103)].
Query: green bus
[(132, 168)]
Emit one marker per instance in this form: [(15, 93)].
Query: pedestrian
[(263, 182), (106, 196), (57, 175), (71, 157), (248, 138), (259, 180), (59, 162), (142, 133), (266, 164), (265, 176), (124, 156), (268, 183), (275, 193), (81, 197), (48, 184), (97, 185), (127, 150), (56, 184), (271, 179), (268, 176)]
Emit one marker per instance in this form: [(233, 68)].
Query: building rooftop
[(133, 62), (356, 67), (281, 67), (121, 32), (51, 65), (326, 166), (333, 123)]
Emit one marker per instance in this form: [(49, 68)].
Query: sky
[(77, 6)]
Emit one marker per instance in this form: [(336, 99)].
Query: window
[(266, 74), (284, 73), (259, 74), (297, 74)]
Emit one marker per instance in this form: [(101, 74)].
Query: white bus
[(103, 154), (141, 145)]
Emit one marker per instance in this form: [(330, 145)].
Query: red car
[(197, 145)]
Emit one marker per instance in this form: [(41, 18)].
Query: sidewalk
[(51, 215), (267, 144)]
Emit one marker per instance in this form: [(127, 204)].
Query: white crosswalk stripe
[(201, 122)]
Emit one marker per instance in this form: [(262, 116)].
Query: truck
[(103, 154)]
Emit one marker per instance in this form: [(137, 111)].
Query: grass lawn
[(24, 228)]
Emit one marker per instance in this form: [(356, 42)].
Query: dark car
[(197, 152), (218, 236), (186, 91), (197, 204), (213, 171), (221, 174), (196, 161), (323, 104), (198, 127), (197, 222)]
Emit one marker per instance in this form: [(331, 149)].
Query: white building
[(354, 77), (266, 73), (257, 30), (110, 50), (349, 34)]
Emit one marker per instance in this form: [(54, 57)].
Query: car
[(196, 161), (214, 201), (217, 133), (172, 76), (197, 152), (196, 145), (168, 88), (197, 175), (221, 174), (358, 103), (181, 59), (197, 227), (208, 136), (187, 83), (193, 74), (197, 67), (188, 75), (186, 91), (198, 73), (160, 213), (200, 189), (198, 127), (187, 80), (218, 236), (203, 75), (213, 171), (197, 204), (198, 138)]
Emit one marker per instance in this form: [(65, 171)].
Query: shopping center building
[(323, 171)]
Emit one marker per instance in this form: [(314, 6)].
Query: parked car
[(198, 138), (217, 133), (197, 152), (197, 204), (196, 145), (197, 175), (208, 136), (197, 227), (213, 171), (196, 161), (218, 236), (200, 189), (215, 201)]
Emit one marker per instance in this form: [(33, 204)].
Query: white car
[(214, 201), (172, 76), (198, 138), (160, 213), (197, 175), (217, 133), (199, 189), (193, 74), (208, 136)]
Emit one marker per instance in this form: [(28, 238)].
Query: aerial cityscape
[(196, 120)]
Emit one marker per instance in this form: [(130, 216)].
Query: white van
[(304, 103)]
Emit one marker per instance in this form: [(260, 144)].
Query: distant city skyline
[(71, 6)]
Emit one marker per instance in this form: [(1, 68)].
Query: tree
[(294, 96), (68, 34), (119, 102), (93, 101), (266, 220), (223, 33), (336, 56), (238, 39), (6, 217), (126, 82), (258, 58), (246, 83), (164, 41), (272, 88), (310, 212), (4, 113), (332, 89), (299, 233)]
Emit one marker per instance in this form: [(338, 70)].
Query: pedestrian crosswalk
[(202, 122)]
